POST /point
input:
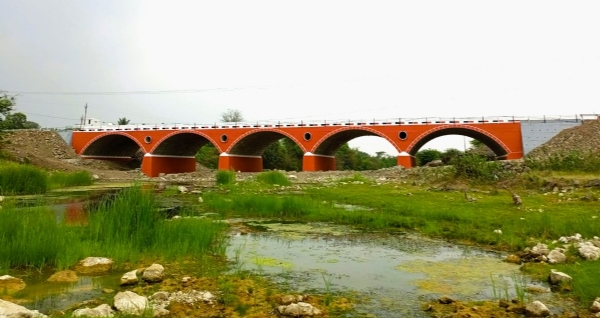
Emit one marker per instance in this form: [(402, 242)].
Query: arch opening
[(181, 145), (499, 151), (114, 145), (277, 150), (330, 146)]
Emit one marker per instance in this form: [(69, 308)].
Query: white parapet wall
[(537, 132)]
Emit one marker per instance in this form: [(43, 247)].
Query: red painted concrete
[(317, 139), (153, 166), (312, 162)]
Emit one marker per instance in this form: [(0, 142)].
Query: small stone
[(103, 310), (131, 303), (182, 189), (558, 277), (446, 300), (595, 308), (200, 200), (299, 309), (536, 309), (129, 278), (11, 284), (94, 265), (154, 273), (513, 258), (556, 257), (64, 276)]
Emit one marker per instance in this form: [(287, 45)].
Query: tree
[(6, 106), (14, 121), (232, 115), (427, 155), (31, 125), (123, 121)]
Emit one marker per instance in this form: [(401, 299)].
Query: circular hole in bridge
[(223, 138), (402, 135), (147, 139), (307, 136)]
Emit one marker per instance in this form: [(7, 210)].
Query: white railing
[(368, 122)]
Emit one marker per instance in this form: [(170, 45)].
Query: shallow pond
[(389, 275)]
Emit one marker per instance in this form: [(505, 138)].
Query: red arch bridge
[(172, 148)]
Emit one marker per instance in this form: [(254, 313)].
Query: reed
[(22, 179), (225, 177), (72, 179), (272, 178)]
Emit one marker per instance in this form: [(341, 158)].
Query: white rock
[(182, 189), (556, 257), (154, 273), (589, 251), (558, 277), (1, 198), (595, 306), (129, 278), (298, 309), (95, 177), (92, 265), (540, 249), (200, 200), (103, 310), (130, 303), (498, 231), (10, 310), (536, 309)]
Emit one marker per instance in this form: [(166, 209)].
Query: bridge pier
[(240, 163), (406, 160), (312, 162), (153, 165)]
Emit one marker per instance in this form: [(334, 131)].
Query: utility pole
[(85, 115)]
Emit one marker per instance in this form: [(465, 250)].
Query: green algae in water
[(272, 262), (463, 276)]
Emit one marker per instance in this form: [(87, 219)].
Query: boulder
[(153, 274), (94, 265), (103, 310), (66, 276), (540, 249), (536, 309), (556, 257), (595, 308), (129, 278), (10, 310), (589, 251), (298, 309), (11, 284), (130, 303), (558, 277)]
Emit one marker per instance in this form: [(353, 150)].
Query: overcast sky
[(189, 61)]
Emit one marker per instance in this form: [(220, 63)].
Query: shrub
[(225, 177), (273, 177), (427, 155), (476, 167)]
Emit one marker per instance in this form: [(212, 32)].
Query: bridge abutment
[(240, 163), (153, 165), (312, 162), (406, 160)]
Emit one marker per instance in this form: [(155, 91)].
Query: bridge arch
[(499, 148), (112, 145), (183, 143), (331, 142), (254, 142)]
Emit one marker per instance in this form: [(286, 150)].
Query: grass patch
[(125, 227), (225, 177), (72, 179), (22, 179), (273, 177)]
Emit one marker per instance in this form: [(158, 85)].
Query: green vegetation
[(225, 177), (273, 177), (570, 162), (22, 179), (428, 155), (10, 120), (19, 179), (125, 227), (477, 168), (63, 179)]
